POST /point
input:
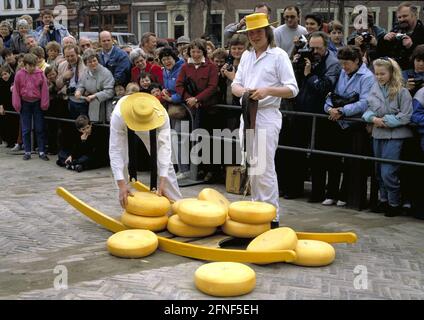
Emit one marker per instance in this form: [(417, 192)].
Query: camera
[(418, 82), (71, 91), (307, 53), (366, 36), (400, 36), (301, 43), (229, 61), (51, 26)]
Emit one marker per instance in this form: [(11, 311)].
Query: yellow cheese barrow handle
[(181, 248)]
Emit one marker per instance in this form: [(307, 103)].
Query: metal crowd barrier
[(310, 150)]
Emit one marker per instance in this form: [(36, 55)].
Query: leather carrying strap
[(153, 160)]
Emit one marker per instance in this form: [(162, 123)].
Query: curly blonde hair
[(395, 83)]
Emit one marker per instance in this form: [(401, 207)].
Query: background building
[(173, 18)]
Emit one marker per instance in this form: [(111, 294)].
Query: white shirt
[(118, 145), (272, 69)]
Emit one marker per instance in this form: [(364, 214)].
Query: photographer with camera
[(367, 40), (414, 77), (408, 33), (50, 31), (318, 77)]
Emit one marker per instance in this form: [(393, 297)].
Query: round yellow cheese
[(140, 222), (181, 229), (148, 204), (132, 243), (212, 195), (244, 230), (225, 279), (176, 204), (252, 212), (275, 239), (200, 213), (314, 253)]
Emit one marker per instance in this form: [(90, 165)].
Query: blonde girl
[(389, 110)]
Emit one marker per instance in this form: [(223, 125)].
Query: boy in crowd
[(88, 152)]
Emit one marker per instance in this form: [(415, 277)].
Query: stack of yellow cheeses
[(309, 253), (248, 219), (146, 210), (199, 217)]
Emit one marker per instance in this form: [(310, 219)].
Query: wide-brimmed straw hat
[(142, 112), (256, 21)]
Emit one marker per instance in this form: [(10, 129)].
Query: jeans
[(388, 173), (32, 111), (76, 109)]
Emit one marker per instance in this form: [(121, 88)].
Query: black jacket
[(396, 50), (314, 88)]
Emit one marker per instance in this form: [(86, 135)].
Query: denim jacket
[(119, 64)]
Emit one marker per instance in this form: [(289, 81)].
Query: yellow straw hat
[(142, 112), (256, 21)]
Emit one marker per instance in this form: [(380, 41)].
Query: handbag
[(190, 87), (177, 111)]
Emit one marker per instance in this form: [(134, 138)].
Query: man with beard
[(318, 77), (405, 36)]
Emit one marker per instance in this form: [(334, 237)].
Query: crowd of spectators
[(373, 74)]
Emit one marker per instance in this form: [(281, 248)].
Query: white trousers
[(171, 188), (263, 180)]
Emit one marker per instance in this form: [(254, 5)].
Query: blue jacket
[(418, 113), (7, 41), (119, 64), (170, 79), (57, 35), (361, 82)]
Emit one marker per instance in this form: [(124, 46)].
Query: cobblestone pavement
[(39, 233)]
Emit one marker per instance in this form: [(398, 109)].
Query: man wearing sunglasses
[(285, 33)]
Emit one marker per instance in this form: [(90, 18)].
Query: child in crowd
[(30, 96), (145, 81), (40, 54), (88, 152), (8, 123), (132, 88), (390, 110), (156, 90)]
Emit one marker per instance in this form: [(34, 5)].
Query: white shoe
[(328, 202), (183, 175), (17, 147), (340, 203)]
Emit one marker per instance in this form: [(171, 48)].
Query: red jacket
[(154, 70), (206, 79)]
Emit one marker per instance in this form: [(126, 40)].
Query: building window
[(120, 22), (179, 26), (240, 14), (7, 5), (18, 4), (94, 22), (323, 12), (217, 27), (162, 24), (179, 18), (48, 2), (30, 4), (143, 22)]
